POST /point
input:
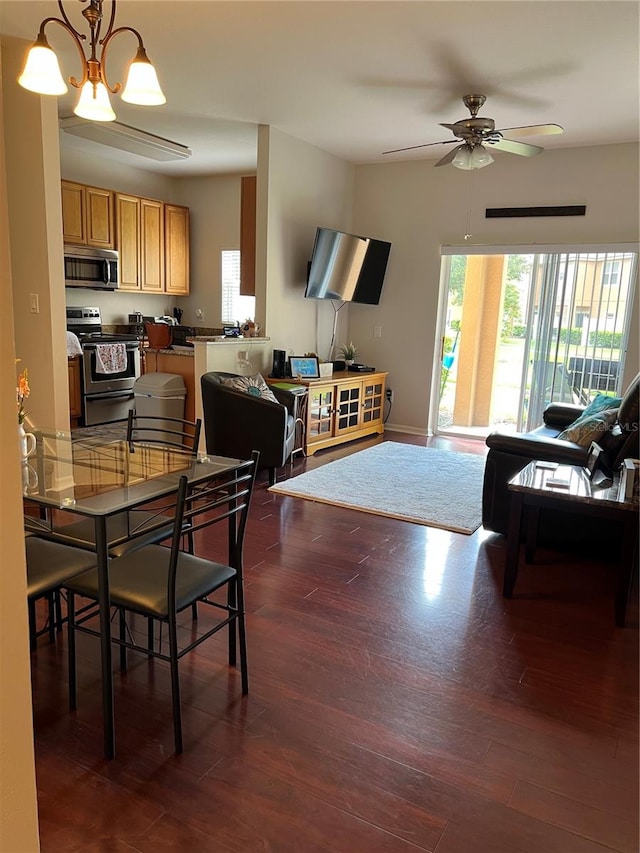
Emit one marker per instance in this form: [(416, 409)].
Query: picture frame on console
[(304, 366)]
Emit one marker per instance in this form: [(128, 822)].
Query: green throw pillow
[(254, 385), (601, 402), (590, 427)]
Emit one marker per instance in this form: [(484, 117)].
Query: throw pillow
[(601, 402), (254, 385), (588, 428)]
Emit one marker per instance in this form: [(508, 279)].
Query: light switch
[(34, 303), (377, 331)]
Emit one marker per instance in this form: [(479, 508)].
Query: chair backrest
[(224, 497), (623, 440), (159, 430)]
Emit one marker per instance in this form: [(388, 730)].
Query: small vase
[(26, 443), (348, 362)]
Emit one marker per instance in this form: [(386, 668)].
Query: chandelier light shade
[(470, 157), (41, 72), (94, 103)]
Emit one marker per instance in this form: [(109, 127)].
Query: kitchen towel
[(111, 358), (73, 345)]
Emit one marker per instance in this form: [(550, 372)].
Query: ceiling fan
[(477, 132)]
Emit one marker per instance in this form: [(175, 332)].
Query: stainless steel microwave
[(85, 266)]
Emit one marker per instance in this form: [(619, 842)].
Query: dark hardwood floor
[(396, 703)]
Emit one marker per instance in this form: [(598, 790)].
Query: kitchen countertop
[(182, 351), (220, 339)]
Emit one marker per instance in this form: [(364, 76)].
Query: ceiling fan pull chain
[(467, 234)]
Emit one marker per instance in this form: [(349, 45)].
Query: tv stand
[(343, 407)]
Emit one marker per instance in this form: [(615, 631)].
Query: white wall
[(214, 215), (18, 805), (419, 208), (35, 234), (300, 188)]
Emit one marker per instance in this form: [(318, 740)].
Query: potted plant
[(348, 352)]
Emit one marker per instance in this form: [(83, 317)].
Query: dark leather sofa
[(510, 452), (235, 423)]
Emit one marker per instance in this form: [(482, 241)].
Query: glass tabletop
[(99, 473), (565, 481)]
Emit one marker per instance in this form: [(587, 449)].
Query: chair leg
[(232, 604), (71, 647), (150, 633), (52, 616), (32, 624), (243, 638), (272, 476), (123, 637), (58, 604), (175, 684)]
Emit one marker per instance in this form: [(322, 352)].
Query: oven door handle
[(112, 395)]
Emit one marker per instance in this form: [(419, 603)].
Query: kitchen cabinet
[(176, 251), (345, 406), (151, 246), (87, 215), (128, 240), (248, 235), (75, 390), (153, 242), (140, 242)]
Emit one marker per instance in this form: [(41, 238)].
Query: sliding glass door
[(521, 330)]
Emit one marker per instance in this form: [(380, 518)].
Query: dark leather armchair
[(510, 452), (235, 423)]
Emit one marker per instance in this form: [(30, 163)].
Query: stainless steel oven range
[(108, 372)]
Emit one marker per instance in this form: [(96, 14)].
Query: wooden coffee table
[(535, 488)]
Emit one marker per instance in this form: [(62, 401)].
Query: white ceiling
[(359, 78)]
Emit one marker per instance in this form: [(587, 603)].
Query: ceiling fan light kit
[(41, 72), (477, 132), (470, 157)]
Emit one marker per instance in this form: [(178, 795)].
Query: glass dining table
[(98, 475)]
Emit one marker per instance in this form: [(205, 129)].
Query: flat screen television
[(347, 267)]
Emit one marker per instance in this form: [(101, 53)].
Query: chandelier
[(41, 72)]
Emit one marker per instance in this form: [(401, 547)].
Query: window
[(235, 308), (611, 273)]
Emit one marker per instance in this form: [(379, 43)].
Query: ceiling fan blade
[(449, 156), (426, 145), (522, 148), (533, 130)]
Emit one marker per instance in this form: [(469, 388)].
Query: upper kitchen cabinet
[(141, 243), (87, 215), (128, 240), (152, 246), (248, 236), (176, 257)]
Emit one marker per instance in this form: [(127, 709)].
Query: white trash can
[(160, 395)]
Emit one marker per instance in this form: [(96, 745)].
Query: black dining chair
[(159, 582), (158, 430), (130, 526), (49, 565)]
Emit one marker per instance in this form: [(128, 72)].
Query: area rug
[(437, 488)]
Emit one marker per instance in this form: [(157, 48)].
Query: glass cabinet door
[(320, 416), (349, 401), (372, 402)]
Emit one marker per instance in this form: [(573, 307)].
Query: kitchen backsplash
[(115, 306)]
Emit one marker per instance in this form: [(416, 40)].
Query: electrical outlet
[(377, 331), (199, 313), (390, 395)]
